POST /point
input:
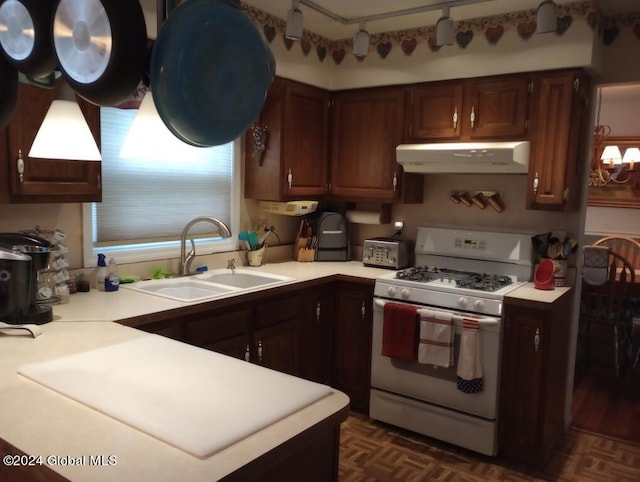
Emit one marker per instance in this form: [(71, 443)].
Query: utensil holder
[(256, 256)]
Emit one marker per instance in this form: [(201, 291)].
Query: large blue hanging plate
[(210, 71)]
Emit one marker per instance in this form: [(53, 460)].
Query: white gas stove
[(460, 269), (463, 275)]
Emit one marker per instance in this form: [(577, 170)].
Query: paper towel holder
[(381, 215)]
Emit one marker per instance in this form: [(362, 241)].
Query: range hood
[(465, 157)]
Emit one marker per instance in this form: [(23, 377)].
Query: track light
[(444, 29), (293, 30), (361, 42), (547, 17)]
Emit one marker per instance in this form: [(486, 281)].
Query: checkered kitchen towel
[(595, 265)]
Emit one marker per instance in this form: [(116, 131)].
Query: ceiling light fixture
[(361, 41), (444, 29), (64, 132), (547, 17), (293, 29)]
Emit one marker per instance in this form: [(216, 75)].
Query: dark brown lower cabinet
[(319, 305), (533, 389), (352, 343)]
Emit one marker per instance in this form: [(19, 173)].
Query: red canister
[(543, 277)]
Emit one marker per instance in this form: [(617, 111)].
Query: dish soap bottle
[(101, 274), (112, 280)]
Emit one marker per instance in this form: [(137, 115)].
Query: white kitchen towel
[(470, 358), (436, 338)]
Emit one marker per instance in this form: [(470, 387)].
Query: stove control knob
[(406, 293), (462, 301), (392, 290), (478, 304)]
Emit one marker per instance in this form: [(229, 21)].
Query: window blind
[(144, 200)]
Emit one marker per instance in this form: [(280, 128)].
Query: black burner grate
[(462, 279)]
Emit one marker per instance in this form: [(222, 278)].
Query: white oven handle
[(489, 321)]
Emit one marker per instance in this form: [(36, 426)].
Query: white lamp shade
[(64, 134), (547, 17), (444, 31), (293, 30), (631, 155), (361, 43), (611, 155), (149, 139)]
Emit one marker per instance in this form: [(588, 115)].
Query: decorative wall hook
[(260, 134), (479, 198)]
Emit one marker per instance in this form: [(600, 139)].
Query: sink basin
[(209, 285), (181, 289), (240, 278)]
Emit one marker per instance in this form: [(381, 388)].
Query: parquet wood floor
[(606, 405), (372, 451)]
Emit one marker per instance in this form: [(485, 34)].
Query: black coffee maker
[(22, 257)]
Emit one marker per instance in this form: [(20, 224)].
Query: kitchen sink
[(209, 285), (242, 278), (181, 289)]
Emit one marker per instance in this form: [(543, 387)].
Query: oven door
[(437, 385)]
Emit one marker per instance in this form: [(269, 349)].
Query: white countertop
[(529, 292), (102, 306), (41, 422)]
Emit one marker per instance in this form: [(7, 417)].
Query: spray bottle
[(101, 274)]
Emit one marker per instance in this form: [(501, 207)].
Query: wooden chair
[(625, 246), (605, 311)]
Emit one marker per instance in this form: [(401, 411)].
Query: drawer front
[(276, 311), (217, 326)]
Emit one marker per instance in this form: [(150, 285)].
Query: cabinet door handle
[(455, 117), (318, 312), (536, 183), (363, 311), (247, 354), (20, 166), (472, 117), (395, 181), (289, 178), (536, 340), (260, 351)]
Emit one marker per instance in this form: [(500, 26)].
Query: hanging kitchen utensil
[(210, 71), (9, 89), (25, 35), (101, 47)]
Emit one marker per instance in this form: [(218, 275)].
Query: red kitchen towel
[(470, 359), (436, 338), (399, 331)]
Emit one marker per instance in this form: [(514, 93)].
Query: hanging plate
[(9, 89), (210, 71), (25, 35), (101, 47)]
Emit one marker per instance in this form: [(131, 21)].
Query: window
[(146, 204)]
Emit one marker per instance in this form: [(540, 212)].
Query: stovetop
[(455, 278)]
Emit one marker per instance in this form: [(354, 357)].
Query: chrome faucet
[(231, 264), (185, 260)]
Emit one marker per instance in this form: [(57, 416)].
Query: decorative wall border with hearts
[(491, 29)]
